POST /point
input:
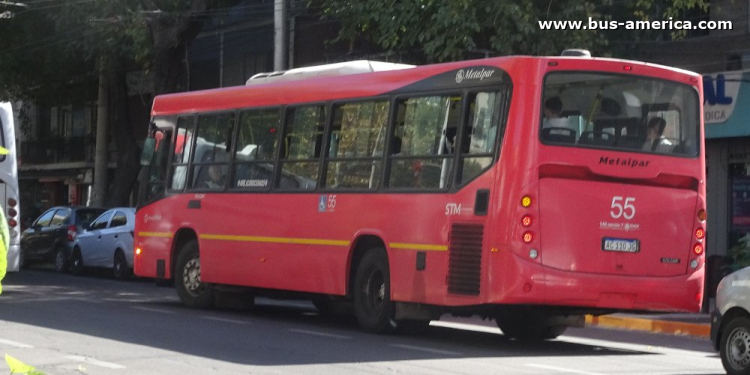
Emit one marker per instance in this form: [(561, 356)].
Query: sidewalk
[(698, 325)]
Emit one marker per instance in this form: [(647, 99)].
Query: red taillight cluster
[(12, 216), (700, 235), (526, 220), (72, 233)]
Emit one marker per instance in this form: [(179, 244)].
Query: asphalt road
[(64, 324)]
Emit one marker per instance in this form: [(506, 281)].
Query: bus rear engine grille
[(465, 259)]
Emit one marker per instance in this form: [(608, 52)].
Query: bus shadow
[(272, 333)]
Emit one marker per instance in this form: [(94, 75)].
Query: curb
[(650, 325)]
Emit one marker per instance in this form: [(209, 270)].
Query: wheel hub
[(739, 343), (191, 276)]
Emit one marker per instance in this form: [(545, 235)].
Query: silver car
[(108, 242)]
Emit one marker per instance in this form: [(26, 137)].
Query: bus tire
[(372, 286), (187, 279), (527, 325)]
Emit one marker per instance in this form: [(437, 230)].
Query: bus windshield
[(620, 112)]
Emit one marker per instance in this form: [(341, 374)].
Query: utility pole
[(101, 155), (280, 35)]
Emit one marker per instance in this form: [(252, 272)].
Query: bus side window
[(181, 154), (257, 141), (356, 145), (480, 136), (301, 147), (427, 138), (210, 162)]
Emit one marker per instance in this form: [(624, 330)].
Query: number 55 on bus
[(530, 190)]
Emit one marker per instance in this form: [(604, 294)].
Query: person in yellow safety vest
[(4, 236)]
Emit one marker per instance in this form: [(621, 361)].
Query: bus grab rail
[(573, 172)]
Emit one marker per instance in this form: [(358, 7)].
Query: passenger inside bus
[(555, 127), (217, 179), (655, 140)]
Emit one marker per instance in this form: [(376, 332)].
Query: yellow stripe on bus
[(155, 234), (287, 240), (417, 246)]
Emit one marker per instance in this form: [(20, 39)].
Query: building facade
[(57, 142)]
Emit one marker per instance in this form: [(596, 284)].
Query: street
[(63, 324)]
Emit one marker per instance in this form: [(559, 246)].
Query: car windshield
[(84, 217)]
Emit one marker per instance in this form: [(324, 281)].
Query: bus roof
[(354, 85)]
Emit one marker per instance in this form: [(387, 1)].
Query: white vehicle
[(730, 322), (9, 185), (107, 243)]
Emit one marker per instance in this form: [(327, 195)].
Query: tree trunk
[(128, 163), (101, 155)]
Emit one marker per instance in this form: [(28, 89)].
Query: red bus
[(531, 190)]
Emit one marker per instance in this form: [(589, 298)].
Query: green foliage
[(457, 29), (739, 254)]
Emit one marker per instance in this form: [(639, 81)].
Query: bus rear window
[(620, 112)]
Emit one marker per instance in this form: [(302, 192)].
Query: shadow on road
[(271, 334)]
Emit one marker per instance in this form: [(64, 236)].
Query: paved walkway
[(698, 325)]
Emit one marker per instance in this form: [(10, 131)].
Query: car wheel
[(735, 346), (120, 268), (192, 291), (61, 260), (372, 293), (76, 263), (22, 262)]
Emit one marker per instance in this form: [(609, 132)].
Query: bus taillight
[(698, 249), (526, 201), (12, 223), (138, 251), (12, 202), (526, 220), (12, 212), (702, 215), (700, 233), (528, 237)]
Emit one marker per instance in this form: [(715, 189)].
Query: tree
[(436, 30), (54, 50)]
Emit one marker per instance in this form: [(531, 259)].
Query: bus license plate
[(620, 244)]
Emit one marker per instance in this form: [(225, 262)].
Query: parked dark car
[(51, 236)]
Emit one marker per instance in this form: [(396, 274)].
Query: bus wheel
[(527, 325), (734, 346), (191, 290), (372, 289)]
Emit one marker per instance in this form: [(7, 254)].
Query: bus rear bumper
[(531, 283), (683, 293)]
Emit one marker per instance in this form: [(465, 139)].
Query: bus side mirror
[(148, 151)]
